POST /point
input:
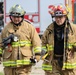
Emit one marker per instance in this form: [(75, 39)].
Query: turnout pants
[(25, 70), (57, 70)]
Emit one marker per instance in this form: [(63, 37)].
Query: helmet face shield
[(16, 10), (15, 14), (59, 13)]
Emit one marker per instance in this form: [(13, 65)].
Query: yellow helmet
[(16, 10)]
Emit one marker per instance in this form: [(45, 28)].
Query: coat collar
[(50, 28)]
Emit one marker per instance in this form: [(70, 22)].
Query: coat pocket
[(7, 54), (26, 51)]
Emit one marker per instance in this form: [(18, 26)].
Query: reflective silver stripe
[(69, 65), (37, 49), (46, 67), (44, 48), (16, 63), (21, 43)]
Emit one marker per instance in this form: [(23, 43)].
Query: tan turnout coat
[(48, 39), (25, 32)]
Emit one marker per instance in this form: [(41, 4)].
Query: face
[(16, 19), (60, 19)]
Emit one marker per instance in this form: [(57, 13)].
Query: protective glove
[(7, 40), (33, 60)]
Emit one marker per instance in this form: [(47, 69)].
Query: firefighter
[(59, 44), (20, 45)]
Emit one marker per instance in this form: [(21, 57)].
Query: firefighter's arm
[(36, 42), (44, 46), (44, 52), (37, 52)]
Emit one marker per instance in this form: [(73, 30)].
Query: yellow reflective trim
[(23, 62), (69, 65), (26, 62), (75, 44), (46, 67), (13, 63), (44, 48), (37, 49), (17, 62), (70, 46), (0, 50), (9, 63), (50, 47), (21, 43)]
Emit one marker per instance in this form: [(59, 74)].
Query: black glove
[(33, 60), (7, 40)]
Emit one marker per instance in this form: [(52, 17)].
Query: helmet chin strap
[(18, 24)]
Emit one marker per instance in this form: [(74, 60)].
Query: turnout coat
[(27, 46), (69, 51)]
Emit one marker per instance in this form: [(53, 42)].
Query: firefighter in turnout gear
[(59, 44), (22, 46)]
